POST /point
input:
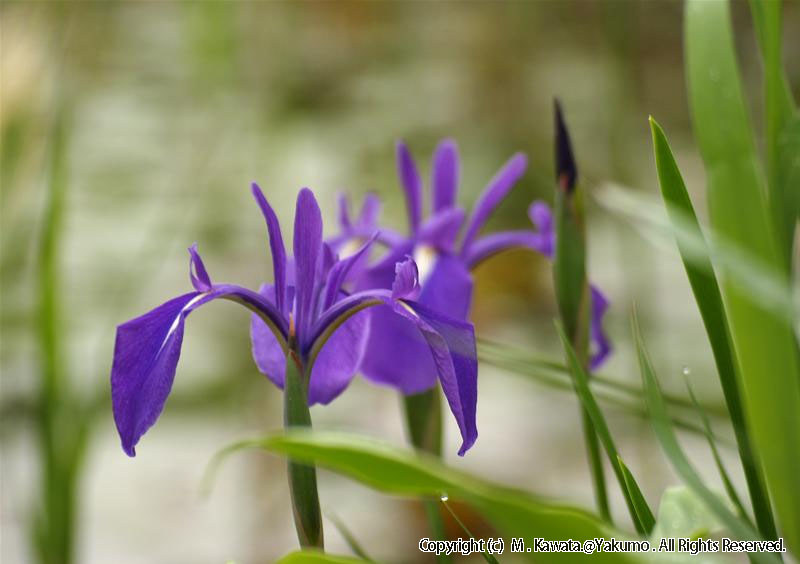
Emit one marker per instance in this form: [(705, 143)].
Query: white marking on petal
[(425, 256), (177, 320)]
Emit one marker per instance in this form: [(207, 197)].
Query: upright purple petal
[(197, 271), (338, 274), (412, 185), (441, 230), (343, 212), (406, 280), (601, 344), (541, 216), (146, 354), (307, 245), (370, 210), (445, 175), (277, 249), (493, 194)]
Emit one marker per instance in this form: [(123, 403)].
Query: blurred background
[(132, 129)]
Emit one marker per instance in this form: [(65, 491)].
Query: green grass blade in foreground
[(709, 301), (349, 538), (316, 557), (779, 111), (723, 473), (669, 443), (513, 513), (639, 502), (486, 555), (581, 382), (764, 340)]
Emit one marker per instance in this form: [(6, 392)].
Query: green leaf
[(513, 513), (764, 341), (637, 497), (316, 557), (726, 479), (349, 538), (779, 111), (669, 443), (581, 381), (682, 514), (709, 301)]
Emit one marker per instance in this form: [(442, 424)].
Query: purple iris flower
[(447, 245), (305, 315)]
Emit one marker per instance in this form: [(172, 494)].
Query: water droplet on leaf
[(444, 496), (685, 370)]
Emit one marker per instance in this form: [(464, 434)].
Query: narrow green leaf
[(669, 443), (764, 341), (779, 111), (726, 479), (486, 556), (349, 538), (513, 513), (709, 301), (637, 497), (316, 557), (581, 381)]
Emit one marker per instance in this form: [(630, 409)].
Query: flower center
[(425, 257)]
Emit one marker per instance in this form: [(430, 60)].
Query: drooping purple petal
[(146, 354), (197, 271), (448, 346), (452, 346), (601, 344), (448, 288), (441, 230), (277, 248), (489, 245), (492, 195), (307, 246), (445, 175), (412, 185)]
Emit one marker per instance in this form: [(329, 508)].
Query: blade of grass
[(315, 557), (709, 301), (764, 341), (349, 538), (646, 517), (726, 479), (581, 382), (486, 556), (669, 444)]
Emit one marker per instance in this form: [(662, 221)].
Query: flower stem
[(424, 425), (302, 477)]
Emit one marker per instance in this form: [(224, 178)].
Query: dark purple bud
[(566, 171)]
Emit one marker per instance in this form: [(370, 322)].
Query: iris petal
[(412, 184), (277, 249), (445, 175), (307, 246), (493, 194), (146, 353), (441, 230)]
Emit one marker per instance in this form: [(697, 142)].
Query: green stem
[(596, 465), (423, 413), (302, 477)]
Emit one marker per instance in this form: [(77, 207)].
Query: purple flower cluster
[(338, 315)]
